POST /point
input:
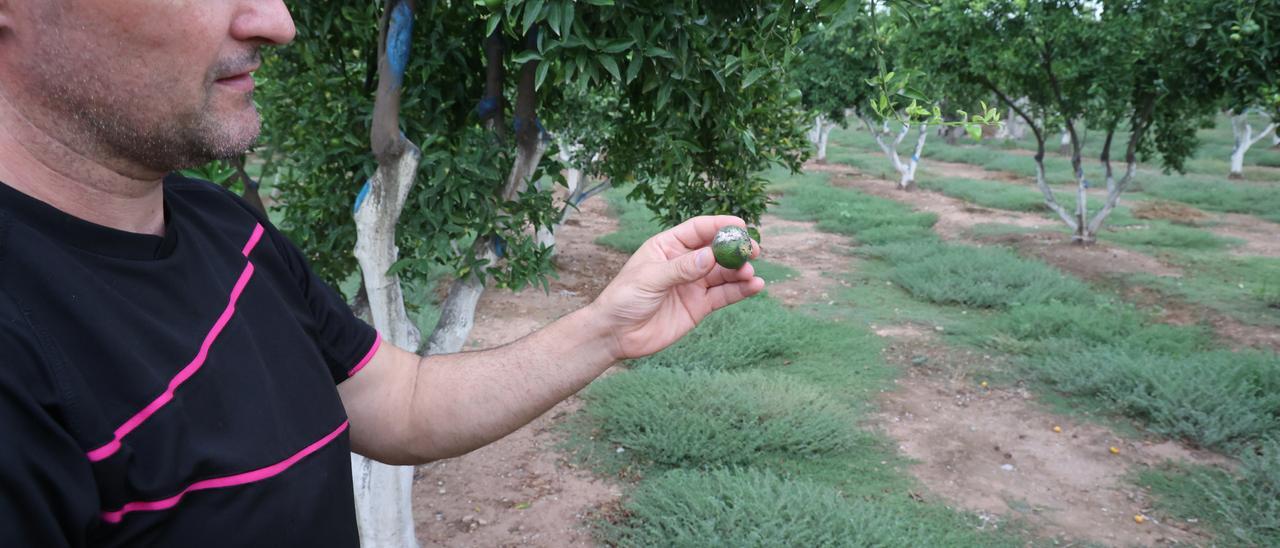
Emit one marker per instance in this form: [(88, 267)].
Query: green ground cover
[(1098, 352)]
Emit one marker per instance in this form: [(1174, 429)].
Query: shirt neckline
[(88, 236)]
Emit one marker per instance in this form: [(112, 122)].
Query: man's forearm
[(464, 401)]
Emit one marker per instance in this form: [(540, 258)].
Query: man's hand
[(669, 285)]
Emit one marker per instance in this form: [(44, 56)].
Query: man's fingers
[(724, 295), (699, 231), (686, 268), (721, 275)]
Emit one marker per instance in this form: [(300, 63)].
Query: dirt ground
[(992, 451), (521, 491)]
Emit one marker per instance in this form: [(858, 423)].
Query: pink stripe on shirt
[(377, 342), (243, 478), (110, 448)]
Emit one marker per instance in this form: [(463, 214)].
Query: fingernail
[(703, 259)]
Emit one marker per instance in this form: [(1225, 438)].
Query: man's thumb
[(689, 267)]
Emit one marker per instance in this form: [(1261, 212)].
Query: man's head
[(160, 84)]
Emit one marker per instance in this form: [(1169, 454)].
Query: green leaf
[(491, 24), (540, 75), (526, 56), (532, 10), (752, 76), (553, 16), (974, 130), (618, 46), (633, 67), (610, 65)]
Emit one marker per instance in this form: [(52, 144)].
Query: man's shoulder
[(205, 194)]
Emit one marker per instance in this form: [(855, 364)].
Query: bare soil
[(995, 452), (814, 255), (522, 491)]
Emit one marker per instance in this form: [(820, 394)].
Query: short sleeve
[(48, 496), (347, 342)]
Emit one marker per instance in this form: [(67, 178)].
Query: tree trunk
[(906, 170), (250, 193), (1138, 125), (1244, 140), (908, 179), (384, 510), (457, 314), (824, 135)]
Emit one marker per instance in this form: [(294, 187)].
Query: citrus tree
[(831, 75), (1062, 61), (1244, 35)]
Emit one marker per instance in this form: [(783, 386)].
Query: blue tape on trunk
[(364, 191), (398, 39)]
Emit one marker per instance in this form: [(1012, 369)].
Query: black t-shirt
[(173, 391)]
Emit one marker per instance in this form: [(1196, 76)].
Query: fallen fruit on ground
[(732, 247)]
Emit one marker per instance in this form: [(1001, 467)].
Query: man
[(171, 371)]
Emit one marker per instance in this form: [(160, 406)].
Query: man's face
[(162, 84)]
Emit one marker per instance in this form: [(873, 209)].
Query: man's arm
[(407, 409)]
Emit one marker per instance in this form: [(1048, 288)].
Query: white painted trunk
[(906, 170), (824, 136), (1083, 235), (908, 179), (1244, 140), (458, 313), (816, 131), (384, 507), (1114, 190), (1014, 128), (573, 180), (1049, 200)]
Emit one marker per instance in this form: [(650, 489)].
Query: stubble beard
[(145, 127)]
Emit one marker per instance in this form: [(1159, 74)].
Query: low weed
[(1052, 326), (1218, 194), (981, 277), (752, 508), (636, 223), (1168, 236), (1219, 399), (1244, 506)]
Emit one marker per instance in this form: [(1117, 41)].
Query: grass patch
[(870, 219), (981, 277), (1170, 236), (1219, 195), (1240, 287), (717, 419), (636, 223), (1048, 327), (751, 508), (773, 272), (1244, 506), (1218, 399), (991, 194)]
